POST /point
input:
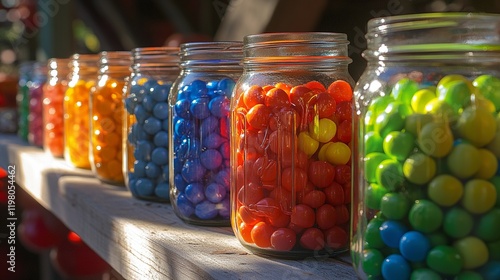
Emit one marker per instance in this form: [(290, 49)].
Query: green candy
[(387, 122), (489, 87), (419, 168), (425, 216), (374, 194), (460, 167), (469, 275), (370, 119), (424, 274), (456, 93), (372, 161), (394, 206), (380, 103), (372, 262), (413, 192), (389, 174), (404, 90), (398, 107), (488, 226), (438, 238), (477, 126), (415, 122), (399, 144), (494, 250), (436, 139), (421, 98), (458, 223), (445, 260), (373, 142), (373, 240), (455, 77)]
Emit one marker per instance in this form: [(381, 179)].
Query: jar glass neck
[(211, 54), (291, 50), (437, 36), (155, 59), (85, 65), (115, 63), (58, 67)]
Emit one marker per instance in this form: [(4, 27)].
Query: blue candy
[(179, 183), (198, 89), (215, 192), (414, 246), (152, 170), (219, 106), (140, 113), (213, 140), (152, 125), (224, 208), (193, 170), (226, 85), (208, 126), (148, 103), (391, 233), (395, 267), (160, 92), (206, 210), (181, 108), (211, 159), (143, 150), (199, 108), (160, 110), (184, 206), (161, 139), (222, 177), (162, 190), (159, 156), (144, 187), (139, 168), (194, 192)]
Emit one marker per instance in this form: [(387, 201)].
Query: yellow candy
[(338, 153), (307, 144), (488, 165), (323, 130), (479, 196)]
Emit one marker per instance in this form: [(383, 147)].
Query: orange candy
[(106, 122), (76, 124), (53, 114)]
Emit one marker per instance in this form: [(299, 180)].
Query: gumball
[(389, 174), (372, 262), (419, 168), (488, 87), (323, 131), (479, 196), (414, 246), (398, 145), (445, 190), (445, 260), (425, 216), (473, 251), (457, 93), (415, 122), (404, 90), (394, 206), (435, 139), (372, 161), (477, 126), (374, 194), (391, 233), (457, 223), (420, 100), (395, 267), (488, 226)]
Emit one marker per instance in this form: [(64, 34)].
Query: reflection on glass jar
[(291, 145), (35, 107), (427, 197)]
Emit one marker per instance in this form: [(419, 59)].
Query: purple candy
[(211, 159), (215, 193)]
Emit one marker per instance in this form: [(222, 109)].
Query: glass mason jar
[(35, 112), (290, 145), (199, 131), (22, 98), (53, 114), (145, 152), (106, 114), (426, 202), (82, 78)]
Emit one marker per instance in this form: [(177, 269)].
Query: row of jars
[(266, 134)]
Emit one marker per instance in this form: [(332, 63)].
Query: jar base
[(294, 255)]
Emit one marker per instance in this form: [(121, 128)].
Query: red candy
[(287, 199)]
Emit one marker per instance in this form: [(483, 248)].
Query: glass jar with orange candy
[(291, 145), (53, 114), (35, 115), (106, 114), (82, 78), (145, 155)]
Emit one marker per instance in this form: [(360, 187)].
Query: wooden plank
[(146, 240)]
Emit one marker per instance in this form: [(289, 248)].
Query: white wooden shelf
[(146, 240)]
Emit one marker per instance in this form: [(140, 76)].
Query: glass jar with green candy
[(426, 177)]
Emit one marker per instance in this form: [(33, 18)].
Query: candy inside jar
[(291, 142)]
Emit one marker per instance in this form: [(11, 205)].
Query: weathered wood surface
[(146, 240)]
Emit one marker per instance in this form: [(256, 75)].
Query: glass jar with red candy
[(53, 114), (291, 145)]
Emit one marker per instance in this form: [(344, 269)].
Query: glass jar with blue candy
[(199, 131), (145, 153), (426, 196)]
